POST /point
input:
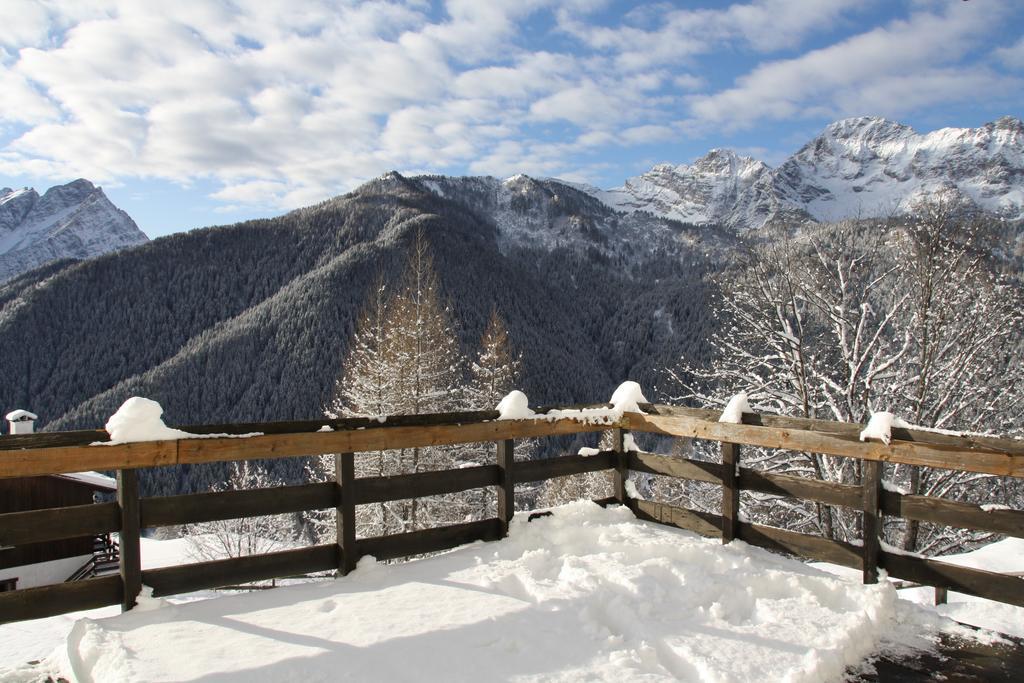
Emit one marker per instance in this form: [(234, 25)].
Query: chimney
[(22, 421)]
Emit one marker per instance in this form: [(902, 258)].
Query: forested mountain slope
[(251, 322)]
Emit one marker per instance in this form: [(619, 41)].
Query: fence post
[(130, 556), (345, 513), (730, 491), (621, 471), (506, 485), (871, 483)]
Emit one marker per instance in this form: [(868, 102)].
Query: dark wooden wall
[(37, 493)]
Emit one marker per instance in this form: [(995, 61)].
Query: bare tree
[(244, 536), (848, 319)]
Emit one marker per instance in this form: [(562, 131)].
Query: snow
[(20, 415), (629, 443), (139, 419), (588, 452), (585, 594), (880, 427), (733, 413), (627, 396), (100, 481), (515, 406), (1005, 556)]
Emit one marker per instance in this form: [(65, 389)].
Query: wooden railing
[(40, 454)]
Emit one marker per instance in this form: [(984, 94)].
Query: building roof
[(94, 480)]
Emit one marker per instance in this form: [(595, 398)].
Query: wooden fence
[(40, 454)]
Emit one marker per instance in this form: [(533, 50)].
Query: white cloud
[(1012, 55), (286, 103), (862, 74)]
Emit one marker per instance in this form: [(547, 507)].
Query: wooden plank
[(620, 474), (703, 523), (548, 468), (232, 571), (953, 513), (983, 584), (802, 545), (680, 468), (730, 491), (51, 524), (419, 484), (61, 598), (130, 562), (800, 487), (871, 485), (963, 442), (430, 540), (345, 513), (1001, 463), (506, 504), (195, 508), (30, 462)]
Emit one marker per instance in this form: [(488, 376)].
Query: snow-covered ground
[(585, 594)]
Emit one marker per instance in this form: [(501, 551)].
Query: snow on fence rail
[(40, 454)]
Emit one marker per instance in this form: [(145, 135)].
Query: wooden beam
[(801, 545), (345, 513), (871, 485), (506, 483), (236, 570), (130, 562), (673, 466), (419, 484), (376, 437), (803, 488), (195, 508), (61, 598), (52, 524), (953, 513), (549, 468), (703, 523), (968, 443), (991, 585), (1003, 463), (620, 474), (430, 540), (730, 491)]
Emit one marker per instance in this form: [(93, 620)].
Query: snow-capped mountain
[(68, 221), (702, 192), (864, 166)]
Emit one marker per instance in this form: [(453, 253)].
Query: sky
[(199, 112)]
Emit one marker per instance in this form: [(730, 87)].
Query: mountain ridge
[(75, 220), (857, 167)]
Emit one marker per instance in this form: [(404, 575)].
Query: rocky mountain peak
[(861, 166), (75, 220)]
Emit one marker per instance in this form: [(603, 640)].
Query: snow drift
[(585, 594)]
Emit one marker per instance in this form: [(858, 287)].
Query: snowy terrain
[(586, 594), (68, 221), (857, 167)]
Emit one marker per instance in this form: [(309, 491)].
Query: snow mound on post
[(733, 413), (627, 397), (880, 427), (515, 406), (139, 419), (584, 594)]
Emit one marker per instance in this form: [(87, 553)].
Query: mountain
[(68, 221), (251, 322), (858, 167)]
